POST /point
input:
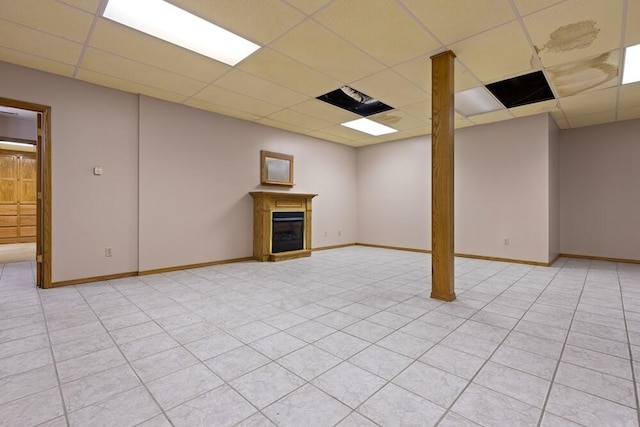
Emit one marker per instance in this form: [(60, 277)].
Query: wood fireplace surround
[(264, 204)]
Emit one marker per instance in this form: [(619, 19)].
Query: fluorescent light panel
[(369, 126), (475, 101), (631, 72), (17, 144), (174, 25)]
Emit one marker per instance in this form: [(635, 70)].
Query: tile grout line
[(470, 381), (631, 359), (53, 357), (436, 343), (127, 361), (564, 344)]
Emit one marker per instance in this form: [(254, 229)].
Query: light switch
[(97, 170)]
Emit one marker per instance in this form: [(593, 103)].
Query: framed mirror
[(276, 169)]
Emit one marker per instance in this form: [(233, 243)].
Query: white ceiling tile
[(127, 86), (45, 16), (526, 7), (301, 120), (509, 54), (220, 109), (36, 43), (90, 6), (450, 23), (629, 95), (126, 69), (391, 88), (320, 49), (277, 68), (259, 21), (589, 102), (629, 113), (308, 6), (398, 120), (418, 72), (420, 110), (379, 27), (591, 119), (37, 62), (322, 110), (255, 87), (494, 116), (267, 121), (575, 29), (135, 45), (223, 97), (560, 120), (591, 73), (536, 108), (344, 132), (632, 29)]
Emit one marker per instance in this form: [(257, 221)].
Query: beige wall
[(196, 169), (18, 128), (91, 126), (600, 191), (501, 191), (554, 190), (394, 194)]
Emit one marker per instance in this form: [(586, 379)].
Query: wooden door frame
[(43, 159)]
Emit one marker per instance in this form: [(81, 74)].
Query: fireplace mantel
[(264, 204)]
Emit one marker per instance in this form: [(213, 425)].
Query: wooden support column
[(442, 268)]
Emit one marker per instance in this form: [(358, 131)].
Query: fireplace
[(281, 225), (287, 231)]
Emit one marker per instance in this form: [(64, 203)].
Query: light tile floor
[(348, 337)]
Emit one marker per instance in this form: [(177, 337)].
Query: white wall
[(11, 127), (90, 126), (394, 194), (554, 190), (501, 191), (194, 170), (197, 168), (600, 191)]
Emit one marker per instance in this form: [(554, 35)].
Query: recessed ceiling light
[(17, 144), (174, 25), (369, 126), (631, 73), (476, 101)]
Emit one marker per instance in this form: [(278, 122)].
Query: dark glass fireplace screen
[(287, 231)]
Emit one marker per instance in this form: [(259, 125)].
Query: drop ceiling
[(378, 47)]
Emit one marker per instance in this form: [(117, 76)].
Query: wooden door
[(9, 163), (17, 197)]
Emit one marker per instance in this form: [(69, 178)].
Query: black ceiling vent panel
[(522, 90), (354, 101)]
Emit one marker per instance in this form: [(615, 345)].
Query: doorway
[(42, 206)]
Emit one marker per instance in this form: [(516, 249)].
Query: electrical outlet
[(506, 241), (108, 252), (339, 233), (326, 234)]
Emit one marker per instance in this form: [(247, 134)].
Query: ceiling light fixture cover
[(475, 101), (355, 101), (369, 126), (18, 144), (631, 72), (174, 25), (522, 90)]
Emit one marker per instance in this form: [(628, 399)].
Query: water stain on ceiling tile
[(595, 72), (578, 35)]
